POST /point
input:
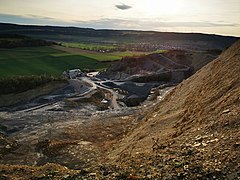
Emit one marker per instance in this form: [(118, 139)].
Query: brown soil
[(79, 145), (194, 132), (48, 171)]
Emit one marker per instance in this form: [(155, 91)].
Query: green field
[(88, 46), (91, 51), (113, 56), (45, 60), (53, 61)]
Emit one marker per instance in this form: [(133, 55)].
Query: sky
[(204, 16)]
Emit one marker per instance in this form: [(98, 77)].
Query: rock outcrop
[(153, 67)]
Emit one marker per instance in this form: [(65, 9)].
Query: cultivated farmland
[(46, 60)]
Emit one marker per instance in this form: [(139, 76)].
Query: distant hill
[(194, 132), (136, 40)]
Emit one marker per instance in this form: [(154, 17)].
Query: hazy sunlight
[(160, 7), (213, 17)]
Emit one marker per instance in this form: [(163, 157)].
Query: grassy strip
[(91, 47), (102, 56)]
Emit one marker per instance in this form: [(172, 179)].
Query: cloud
[(148, 24), (40, 17), (30, 19), (123, 6), (124, 24), (199, 24)]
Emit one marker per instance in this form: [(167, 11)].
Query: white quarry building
[(73, 73)]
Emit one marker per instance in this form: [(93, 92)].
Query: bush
[(14, 40), (23, 83)]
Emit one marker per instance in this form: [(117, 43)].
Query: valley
[(142, 105)]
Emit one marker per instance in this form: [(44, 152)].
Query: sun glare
[(160, 7)]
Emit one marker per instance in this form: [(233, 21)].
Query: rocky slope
[(194, 59), (147, 68), (169, 66), (194, 132)]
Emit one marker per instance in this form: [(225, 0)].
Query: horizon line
[(116, 29)]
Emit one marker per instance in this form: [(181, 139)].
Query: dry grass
[(205, 106), (192, 134)]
